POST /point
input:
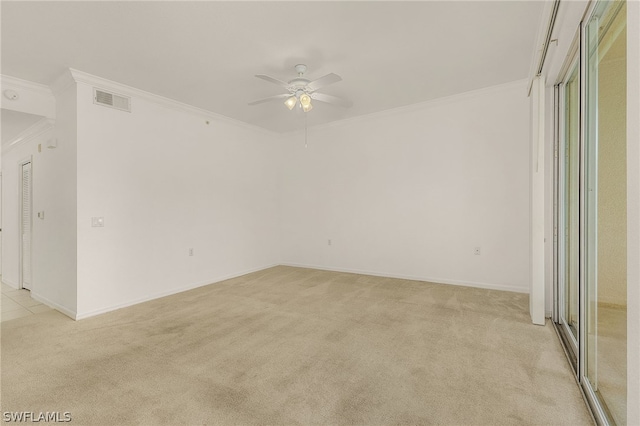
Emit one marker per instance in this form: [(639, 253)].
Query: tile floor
[(18, 304)]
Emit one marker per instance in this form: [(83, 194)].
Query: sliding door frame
[(571, 344), (577, 52), (597, 405)]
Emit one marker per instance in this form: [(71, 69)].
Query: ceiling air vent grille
[(100, 97)]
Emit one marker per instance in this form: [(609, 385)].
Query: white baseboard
[(68, 312), (10, 283), (83, 315), (489, 286)]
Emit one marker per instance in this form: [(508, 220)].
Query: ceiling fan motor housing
[(298, 84)]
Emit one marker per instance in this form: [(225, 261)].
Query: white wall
[(10, 227), (410, 193), (55, 187), (537, 202), (53, 248), (633, 213), (165, 181)]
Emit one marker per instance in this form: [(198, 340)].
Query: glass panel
[(605, 197), (571, 218)]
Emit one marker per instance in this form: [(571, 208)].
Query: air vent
[(100, 97)]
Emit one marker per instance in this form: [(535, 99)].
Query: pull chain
[(305, 130)]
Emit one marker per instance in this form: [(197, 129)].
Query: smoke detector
[(12, 95)]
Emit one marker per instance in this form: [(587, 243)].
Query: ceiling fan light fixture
[(291, 102), (305, 100), (307, 108)]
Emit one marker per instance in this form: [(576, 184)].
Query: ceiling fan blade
[(323, 81), (331, 99), (270, 98), (273, 80)]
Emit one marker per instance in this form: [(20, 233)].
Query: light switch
[(97, 222), (41, 215)]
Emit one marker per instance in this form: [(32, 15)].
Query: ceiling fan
[(302, 90)]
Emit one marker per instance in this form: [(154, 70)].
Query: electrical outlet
[(328, 242), (190, 252), (476, 251)]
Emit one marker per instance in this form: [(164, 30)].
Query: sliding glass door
[(591, 210), (605, 49), (569, 213)]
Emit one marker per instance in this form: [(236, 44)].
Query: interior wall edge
[(537, 203), (403, 183), (444, 281), (58, 307), (10, 283), (88, 314), (122, 89), (219, 186), (421, 106), (41, 126)]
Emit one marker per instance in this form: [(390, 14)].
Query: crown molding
[(433, 103), (63, 82), (34, 98), (14, 82), (36, 129), (122, 89)]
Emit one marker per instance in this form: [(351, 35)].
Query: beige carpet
[(297, 346)]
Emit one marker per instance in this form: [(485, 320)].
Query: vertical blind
[(26, 225)]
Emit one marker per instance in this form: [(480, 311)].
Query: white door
[(25, 226)]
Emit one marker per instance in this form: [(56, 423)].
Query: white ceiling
[(205, 54)]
